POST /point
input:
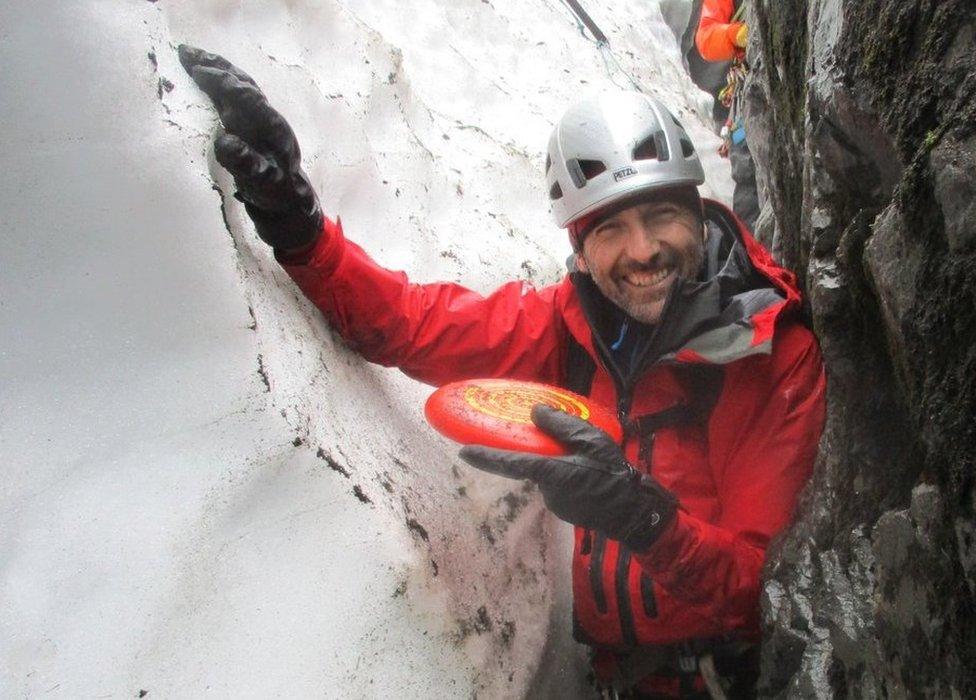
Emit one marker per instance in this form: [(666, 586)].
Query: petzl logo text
[(619, 175)]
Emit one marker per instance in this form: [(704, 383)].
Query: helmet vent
[(646, 149), (592, 168), (548, 163), (687, 148), (663, 152), (555, 192), (582, 170)]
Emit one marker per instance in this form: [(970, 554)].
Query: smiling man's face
[(636, 255)]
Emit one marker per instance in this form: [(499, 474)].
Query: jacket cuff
[(731, 32), (324, 255), (667, 548)]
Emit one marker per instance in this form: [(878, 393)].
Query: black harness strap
[(647, 596), (645, 427), (704, 384), (679, 414)]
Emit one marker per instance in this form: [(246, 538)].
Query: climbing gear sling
[(733, 131)]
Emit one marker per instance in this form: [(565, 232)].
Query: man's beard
[(648, 311)]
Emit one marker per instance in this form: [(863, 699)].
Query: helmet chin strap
[(578, 230)]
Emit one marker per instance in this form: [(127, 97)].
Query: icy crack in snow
[(263, 373), (417, 528), (332, 463), (505, 90), (358, 492), (508, 147), (402, 84), (312, 78)]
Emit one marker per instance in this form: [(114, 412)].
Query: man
[(673, 314)]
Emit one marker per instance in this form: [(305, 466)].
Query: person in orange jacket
[(709, 75), (721, 36), (720, 40)]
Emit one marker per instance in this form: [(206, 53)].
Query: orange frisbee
[(496, 413)]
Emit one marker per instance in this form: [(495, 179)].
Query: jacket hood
[(726, 314)]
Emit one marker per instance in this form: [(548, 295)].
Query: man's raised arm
[(433, 332)]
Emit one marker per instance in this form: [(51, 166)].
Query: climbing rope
[(610, 58), (587, 20), (610, 62)]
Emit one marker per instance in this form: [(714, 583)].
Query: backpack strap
[(704, 384), (580, 369)]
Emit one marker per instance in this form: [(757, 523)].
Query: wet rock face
[(863, 116)]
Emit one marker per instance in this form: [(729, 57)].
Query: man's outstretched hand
[(593, 487), (260, 150)]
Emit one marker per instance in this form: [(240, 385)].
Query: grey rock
[(894, 262), (927, 510), (863, 113), (893, 537), (951, 164), (965, 530)]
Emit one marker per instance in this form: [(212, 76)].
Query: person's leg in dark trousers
[(745, 196)]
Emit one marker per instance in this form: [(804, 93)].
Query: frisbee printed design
[(515, 403), (498, 413)]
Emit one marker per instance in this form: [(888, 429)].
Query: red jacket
[(737, 476), (716, 33)]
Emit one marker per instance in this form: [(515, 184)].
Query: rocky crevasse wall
[(862, 119)]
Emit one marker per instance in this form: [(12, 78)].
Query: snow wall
[(204, 492)]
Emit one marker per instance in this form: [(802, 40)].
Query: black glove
[(594, 487), (261, 152)]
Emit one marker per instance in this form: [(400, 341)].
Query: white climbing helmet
[(613, 146)]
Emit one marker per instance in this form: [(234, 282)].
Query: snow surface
[(204, 492)]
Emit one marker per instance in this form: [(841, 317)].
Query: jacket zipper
[(624, 386), (625, 397)]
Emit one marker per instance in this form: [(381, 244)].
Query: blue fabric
[(623, 331), (629, 344)]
